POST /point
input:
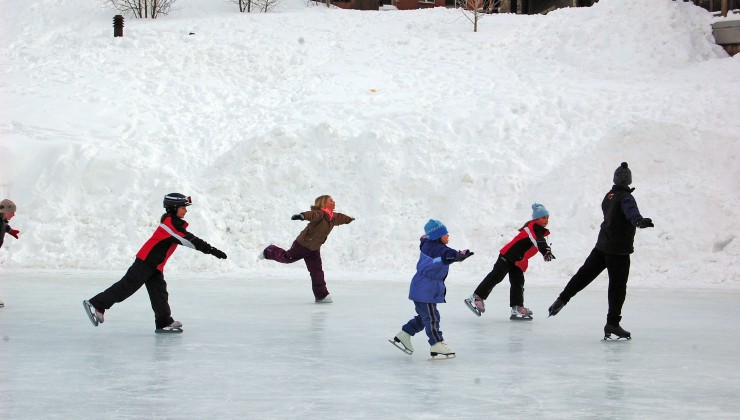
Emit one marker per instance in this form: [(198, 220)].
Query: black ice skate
[(556, 307), (174, 328), (616, 330)]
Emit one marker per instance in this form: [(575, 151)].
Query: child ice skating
[(7, 211), (513, 259), (612, 252), (307, 246), (148, 267), (428, 289)]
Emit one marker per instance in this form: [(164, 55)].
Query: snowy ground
[(258, 347)]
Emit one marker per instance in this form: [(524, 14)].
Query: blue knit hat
[(538, 210), (435, 229)]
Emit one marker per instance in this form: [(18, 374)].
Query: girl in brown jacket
[(307, 246)]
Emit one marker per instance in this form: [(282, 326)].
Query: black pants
[(618, 268), (501, 268), (140, 273)]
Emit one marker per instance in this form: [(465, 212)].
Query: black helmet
[(174, 200)]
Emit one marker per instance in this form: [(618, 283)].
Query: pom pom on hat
[(623, 175), (434, 229), (539, 210)]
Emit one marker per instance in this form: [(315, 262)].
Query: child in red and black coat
[(513, 260), (148, 267)]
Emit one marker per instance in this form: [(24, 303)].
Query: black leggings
[(618, 268), (140, 273), (501, 268)]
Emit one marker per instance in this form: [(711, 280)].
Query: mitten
[(548, 255), (645, 222), (298, 216), (218, 253), (14, 233), (464, 254)]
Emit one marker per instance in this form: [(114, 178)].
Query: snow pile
[(400, 116)]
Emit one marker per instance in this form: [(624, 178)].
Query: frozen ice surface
[(257, 346)]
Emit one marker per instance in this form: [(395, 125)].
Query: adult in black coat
[(612, 251)]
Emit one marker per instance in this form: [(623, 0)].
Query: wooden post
[(725, 7)]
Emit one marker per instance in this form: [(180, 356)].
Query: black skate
[(556, 307), (616, 330), (174, 328)]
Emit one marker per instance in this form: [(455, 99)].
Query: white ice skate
[(440, 349), (520, 313), (326, 299), (475, 304), (402, 340)]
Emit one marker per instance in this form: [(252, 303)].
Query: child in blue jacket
[(428, 289)]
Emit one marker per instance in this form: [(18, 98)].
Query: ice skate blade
[(168, 331), (90, 314), (440, 356), (401, 347), (609, 338), (516, 318), (472, 307)]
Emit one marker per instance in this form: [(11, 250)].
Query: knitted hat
[(7, 206), (538, 210), (623, 175), (435, 229)]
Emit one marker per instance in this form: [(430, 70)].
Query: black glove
[(298, 216), (464, 254), (217, 253), (548, 255), (645, 222)]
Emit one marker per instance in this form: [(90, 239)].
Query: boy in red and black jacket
[(148, 267), (513, 260)]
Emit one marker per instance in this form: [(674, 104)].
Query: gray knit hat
[(7, 206), (623, 175)]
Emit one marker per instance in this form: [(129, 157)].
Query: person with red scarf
[(513, 260), (307, 246)]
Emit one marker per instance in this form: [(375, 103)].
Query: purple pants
[(311, 258)]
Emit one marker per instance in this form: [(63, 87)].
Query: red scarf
[(329, 212)]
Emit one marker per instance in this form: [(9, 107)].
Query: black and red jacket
[(170, 233), (530, 239)]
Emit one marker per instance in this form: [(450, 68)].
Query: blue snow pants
[(427, 319)]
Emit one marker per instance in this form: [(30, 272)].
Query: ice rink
[(258, 347)]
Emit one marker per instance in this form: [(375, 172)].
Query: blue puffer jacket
[(428, 284)]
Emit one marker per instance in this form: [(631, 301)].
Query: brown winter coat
[(319, 227)]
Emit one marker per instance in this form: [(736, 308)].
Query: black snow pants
[(501, 268), (618, 268), (140, 273)]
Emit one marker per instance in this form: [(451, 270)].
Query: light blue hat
[(434, 229), (538, 210)]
